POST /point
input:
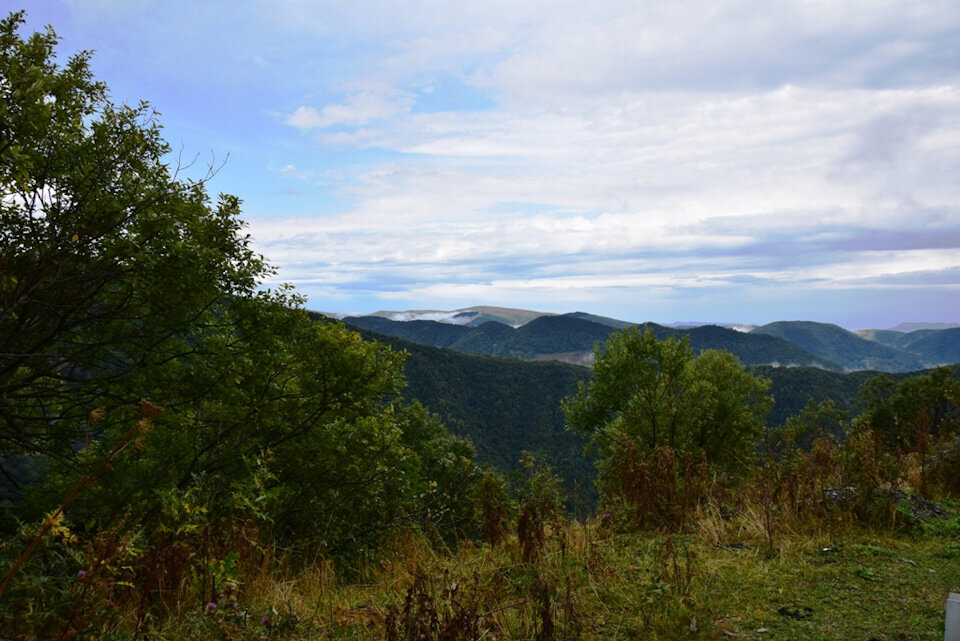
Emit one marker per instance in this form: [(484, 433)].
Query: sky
[(741, 161)]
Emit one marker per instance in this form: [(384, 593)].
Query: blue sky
[(744, 161)]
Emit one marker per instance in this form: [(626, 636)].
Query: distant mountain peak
[(914, 326), (469, 316)]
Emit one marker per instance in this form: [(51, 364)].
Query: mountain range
[(507, 406), (528, 335)]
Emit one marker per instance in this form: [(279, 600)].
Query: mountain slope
[(557, 334), (888, 337), (753, 349), (603, 320), (842, 347), (571, 338), (507, 406), (426, 332), (935, 347)]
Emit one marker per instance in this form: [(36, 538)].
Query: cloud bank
[(745, 161)]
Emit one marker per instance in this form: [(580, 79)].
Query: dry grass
[(721, 578)]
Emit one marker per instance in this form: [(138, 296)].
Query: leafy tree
[(878, 414), (121, 281), (111, 266), (648, 394), (933, 399), (661, 419), (917, 416), (144, 378), (925, 406), (800, 431)]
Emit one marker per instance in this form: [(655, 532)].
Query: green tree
[(800, 431), (120, 281), (112, 266), (879, 415), (918, 416), (647, 394), (661, 419), (925, 406)]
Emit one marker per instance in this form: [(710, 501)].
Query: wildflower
[(81, 574), (211, 607)]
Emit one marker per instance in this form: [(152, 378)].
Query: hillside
[(507, 405), (504, 405), (753, 349), (603, 320), (558, 334), (888, 337), (842, 347), (571, 338), (935, 347)]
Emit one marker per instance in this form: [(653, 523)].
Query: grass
[(722, 580)]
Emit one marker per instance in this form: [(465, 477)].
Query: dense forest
[(507, 406), (187, 454)]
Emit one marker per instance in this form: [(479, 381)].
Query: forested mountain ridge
[(843, 347), (470, 316), (571, 338), (508, 405), (934, 346), (525, 334), (504, 405)]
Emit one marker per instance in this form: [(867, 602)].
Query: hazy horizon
[(741, 162), (440, 314)]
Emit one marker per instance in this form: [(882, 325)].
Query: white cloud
[(291, 170), (642, 148), (359, 109)]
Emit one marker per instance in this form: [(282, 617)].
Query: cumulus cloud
[(359, 109)]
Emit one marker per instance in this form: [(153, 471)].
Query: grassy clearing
[(720, 581)]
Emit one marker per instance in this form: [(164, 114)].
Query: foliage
[(121, 281), (70, 587), (494, 506), (648, 394), (920, 416), (800, 431), (661, 419), (451, 617), (539, 503), (720, 579), (111, 266), (659, 489), (504, 406)]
